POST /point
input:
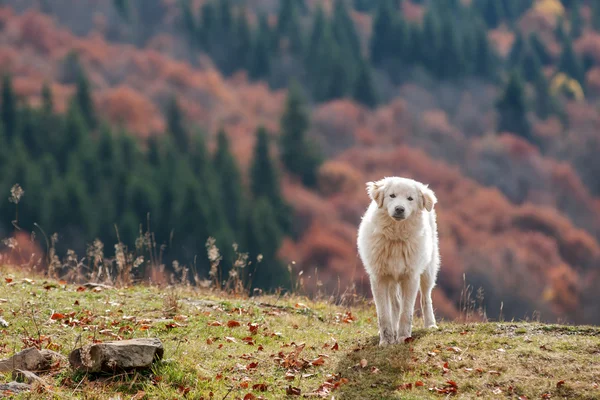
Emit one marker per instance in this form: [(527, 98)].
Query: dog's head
[(401, 197)]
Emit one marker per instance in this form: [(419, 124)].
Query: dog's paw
[(383, 343), (433, 327)]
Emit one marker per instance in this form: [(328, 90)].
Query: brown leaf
[(230, 339), (209, 341), (8, 280), (292, 391), (363, 363), (76, 303), (452, 383), (335, 347), (522, 397), (253, 328), (409, 339), (215, 323), (56, 316), (289, 375), (560, 383), (405, 386), (261, 387), (252, 365), (81, 289), (233, 324), (419, 383), (455, 349), (494, 372), (375, 370), (318, 361), (249, 396)]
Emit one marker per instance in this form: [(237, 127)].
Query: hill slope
[(264, 346)]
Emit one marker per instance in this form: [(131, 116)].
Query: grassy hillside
[(265, 347)]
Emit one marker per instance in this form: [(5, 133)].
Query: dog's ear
[(375, 190), (427, 198)]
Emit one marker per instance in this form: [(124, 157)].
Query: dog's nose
[(399, 210)]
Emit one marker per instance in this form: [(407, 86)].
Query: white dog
[(398, 245)]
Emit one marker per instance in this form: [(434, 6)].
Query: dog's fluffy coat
[(398, 245)]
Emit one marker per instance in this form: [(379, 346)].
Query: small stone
[(3, 323), (30, 359), (25, 376), (14, 387), (117, 356)]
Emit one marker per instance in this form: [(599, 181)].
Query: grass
[(287, 345)]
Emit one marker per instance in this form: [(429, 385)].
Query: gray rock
[(25, 376), (14, 388), (30, 359), (117, 356)]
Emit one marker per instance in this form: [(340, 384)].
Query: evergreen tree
[(288, 25), (189, 22), (9, 108), (123, 9), (364, 87), (344, 32), (512, 108), (431, 40), (264, 181), (539, 48), (264, 239), (451, 52), (517, 51), (47, 99), (297, 152), (575, 21), (175, 125), (317, 34), (544, 102), (531, 66), (596, 15), (569, 62), (383, 30), (260, 65), (242, 46), (492, 12), (230, 185), (83, 98)]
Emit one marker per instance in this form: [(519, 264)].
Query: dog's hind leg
[(427, 284), (381, 295)]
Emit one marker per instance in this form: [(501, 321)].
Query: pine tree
[(264, 181), (596, 15), (431, 40), (517, 51), (344, 32), (544, 102), (242, 46), (264, 239), (230, 185), (260, 65), (123, 8), (451, 52), (47, 99), (539, 48), (175, 125), (83, 98), (298, 154), (189, 22), (319, 26), (383, 30), (288, 25), (486, 60), (492, 12), (575, 20), (531, 67), (364, 87), (569, 62), (512, 108), (9, 108)]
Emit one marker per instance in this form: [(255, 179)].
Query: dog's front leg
[(381, 295), (409, 288)]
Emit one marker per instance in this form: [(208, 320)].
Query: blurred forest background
[(258, 122)]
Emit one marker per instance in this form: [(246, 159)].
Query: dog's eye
[(393, 196), (410, 198)]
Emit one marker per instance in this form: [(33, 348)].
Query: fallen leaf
[(8, 280), (405, 386), (363, 363), (494, 372), (290, 376), (375, 370), (230, 339), (560, 383), (319, 361), (292, 391), (81, 289), (56, 316), (253, 328), (419, 383), (455, 349), (252, 365), (335, 347), (546, 396), (409, 339), (452, 383), (233, 324), (501, 350), (214, 323), (249, 396), (209, 341), (261, 387)]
